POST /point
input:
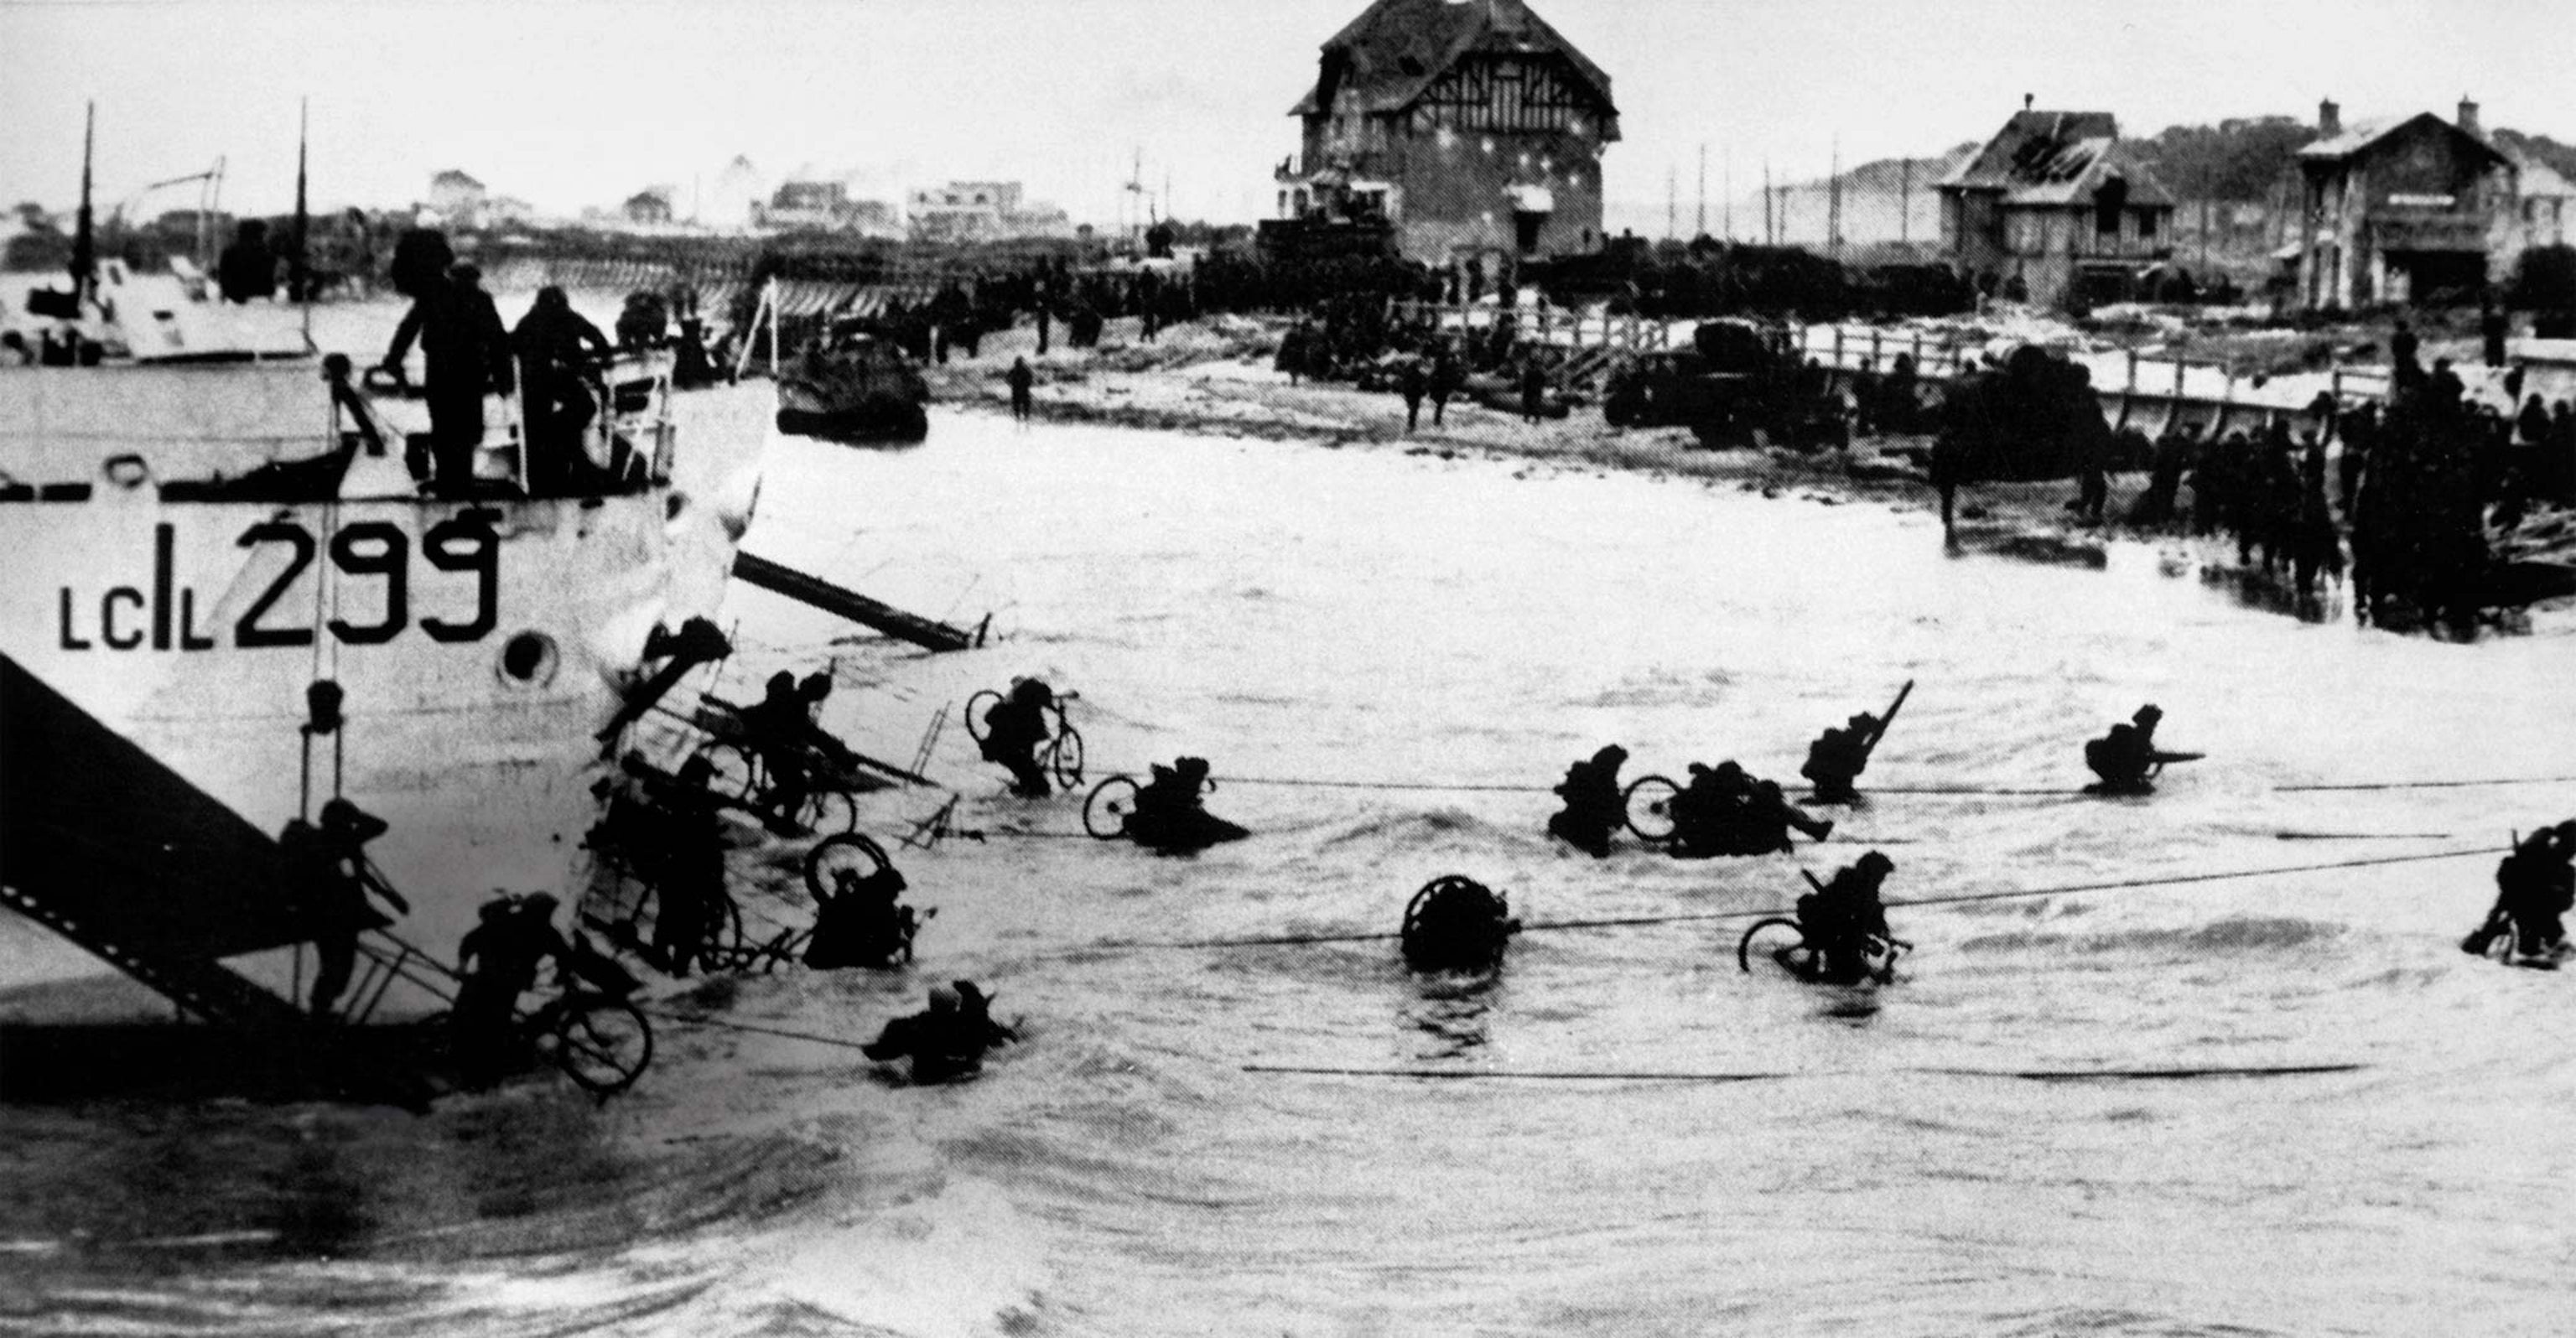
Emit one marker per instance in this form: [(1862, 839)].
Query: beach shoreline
[(1214, 377)]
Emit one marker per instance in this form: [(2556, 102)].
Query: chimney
[(2469, 117), (2329, 119), (2027, 99)]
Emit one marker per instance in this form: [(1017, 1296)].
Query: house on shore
[(1466, 130), (2055, 210), (2408, 209)]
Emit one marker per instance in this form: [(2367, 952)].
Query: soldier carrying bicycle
[(781, 729), (497, 962), (1014, 729), (1844, 914)]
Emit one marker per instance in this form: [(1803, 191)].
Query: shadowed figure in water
[(947, 1041), (1593, 809)]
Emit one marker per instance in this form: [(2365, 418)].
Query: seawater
[(1295, 612)]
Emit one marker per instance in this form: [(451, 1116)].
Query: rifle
[(1885, 720)]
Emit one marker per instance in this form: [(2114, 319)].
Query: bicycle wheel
[(1065, 758), (1744, 946), (1649, 801), (724, 947), (853, 852), (976, 706), (737, 770), (829, 811), (1105, 813), (603, 1044)]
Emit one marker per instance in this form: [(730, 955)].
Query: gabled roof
[(2051, 159), (1387, 56), (2077, 172), (2029, 136), (2363, 135)]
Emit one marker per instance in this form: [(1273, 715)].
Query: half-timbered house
[(1472, 128)]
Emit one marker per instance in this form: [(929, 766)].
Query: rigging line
[(1326, 783), (2364, 836), (2152, 1075), (1682, 917), (1523, 1076), (1971, 790), (2033, 1075), (2427, 785), (682, 1019)]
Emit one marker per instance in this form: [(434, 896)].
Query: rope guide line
[(2170, 880)]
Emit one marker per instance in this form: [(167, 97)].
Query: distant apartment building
[(650, 207), (975, 211), (1469, 129), (2055, 208), (826, 206)]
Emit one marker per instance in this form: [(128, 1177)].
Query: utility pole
[(1770, 236), (1726, 193), (1702, 230), (1904, 197), (1672, 199), (1834, 202)]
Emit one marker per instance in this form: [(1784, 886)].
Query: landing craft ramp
[(104, 845)]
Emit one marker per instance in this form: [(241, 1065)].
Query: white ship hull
[(479, 645)]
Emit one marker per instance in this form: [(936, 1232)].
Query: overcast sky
[(568, 103)]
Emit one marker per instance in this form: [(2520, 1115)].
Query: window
[(2146, 225), (2106, 208)]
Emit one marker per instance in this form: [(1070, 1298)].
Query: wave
[(2233, 934)]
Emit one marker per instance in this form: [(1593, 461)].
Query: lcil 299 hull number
[(373, 562)]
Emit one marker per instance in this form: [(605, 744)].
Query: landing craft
[(205, 531)]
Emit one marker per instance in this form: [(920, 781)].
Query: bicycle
[(602, 1041), (830, 803), (850, 857), (1060, 756), (1807, 959), (1456, 924), (728, 946), (1648, 803)]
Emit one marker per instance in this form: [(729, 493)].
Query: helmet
[(1611, 755), (1876, 862), (1032, 690), (943, 998), (2148, 714), (1864, 720)]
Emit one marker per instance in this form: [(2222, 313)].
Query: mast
[(299, 273), (85, 234), (1703, 190), (1770, 236)]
